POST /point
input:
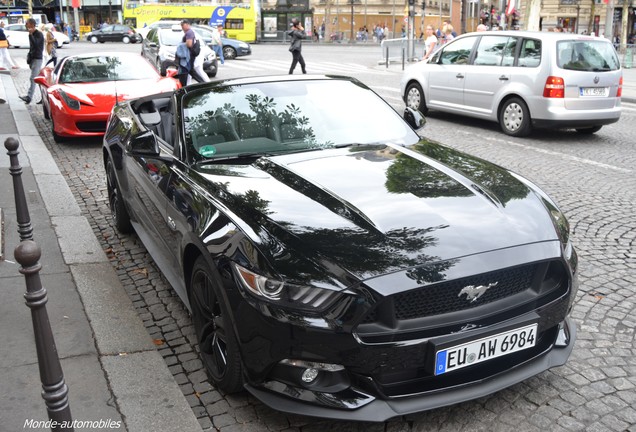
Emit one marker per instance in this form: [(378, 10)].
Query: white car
[(522, 80), (18, 36)]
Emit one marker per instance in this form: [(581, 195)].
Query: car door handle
[(503, 78), (172, 224), (459, 76)]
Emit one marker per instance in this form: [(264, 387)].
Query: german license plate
[(594, 91), (470, 353)]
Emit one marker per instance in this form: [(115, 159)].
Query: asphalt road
[(591, 177)]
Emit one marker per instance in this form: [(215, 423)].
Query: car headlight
[(73, 104), (304, 297), (243, 45)]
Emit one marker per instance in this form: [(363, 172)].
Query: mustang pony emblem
[(474, 292)]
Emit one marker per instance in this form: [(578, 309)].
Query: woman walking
[(5, 59), (297, 34), (51, 45)]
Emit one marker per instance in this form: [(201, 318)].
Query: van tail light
[(619, 92), (554, 87)]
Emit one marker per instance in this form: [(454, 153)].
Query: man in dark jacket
[(34, 57), (296, 34)]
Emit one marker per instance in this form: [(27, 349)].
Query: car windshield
[(288, 116), (587, 55), (105, 68), (171, 37)]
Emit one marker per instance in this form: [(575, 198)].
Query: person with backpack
[(194, 49)]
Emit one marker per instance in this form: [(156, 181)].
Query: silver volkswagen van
[(522, 80)]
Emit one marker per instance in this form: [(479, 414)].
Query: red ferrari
[(79, 93)]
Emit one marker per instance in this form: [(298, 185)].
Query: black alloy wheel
[(121, 218), (217, 343)]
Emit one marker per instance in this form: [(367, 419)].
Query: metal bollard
[(27, 254), (22, 210)]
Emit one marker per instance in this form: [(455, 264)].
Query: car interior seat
[(149, 116), (216, 130)]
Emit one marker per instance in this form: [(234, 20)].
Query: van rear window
[(587, 55)]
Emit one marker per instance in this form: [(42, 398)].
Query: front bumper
[(359, 405), (377, 362), (70, 123)]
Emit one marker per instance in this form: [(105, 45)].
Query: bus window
[(234, 23)]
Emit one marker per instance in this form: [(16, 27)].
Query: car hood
[(368, 211), (95, 94)]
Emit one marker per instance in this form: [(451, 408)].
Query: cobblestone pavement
[(593, 180)]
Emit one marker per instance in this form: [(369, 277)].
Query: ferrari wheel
[(213, 327), (118, 210), (94, 39), (45, 110), (57, 138)]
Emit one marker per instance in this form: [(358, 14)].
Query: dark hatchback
[(335, 263), (114, 33)]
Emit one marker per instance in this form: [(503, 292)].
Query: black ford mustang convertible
[(335, 263)]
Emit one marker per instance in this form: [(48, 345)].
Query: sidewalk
[(111, 367)]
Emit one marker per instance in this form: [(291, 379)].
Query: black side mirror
[(144, 143), (414, 118)]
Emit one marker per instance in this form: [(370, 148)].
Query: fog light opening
[(315, 376), (309, 375)]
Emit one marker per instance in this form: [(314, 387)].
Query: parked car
[(232, 48), (521, 80), (79, 93), (335, 263), (160, 48), (18, 36), (114, 33)]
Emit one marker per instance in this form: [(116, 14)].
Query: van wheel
[(414, 98), (514, 118), (589, 131)]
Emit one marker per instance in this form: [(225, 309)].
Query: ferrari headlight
[(284, 293), (73, 104)]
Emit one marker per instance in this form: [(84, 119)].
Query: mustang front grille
[(537, 281)]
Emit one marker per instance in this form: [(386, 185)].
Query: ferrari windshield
[(106, 68), (288, 116)]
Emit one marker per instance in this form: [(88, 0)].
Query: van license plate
[(471, 353), (595, 91)]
